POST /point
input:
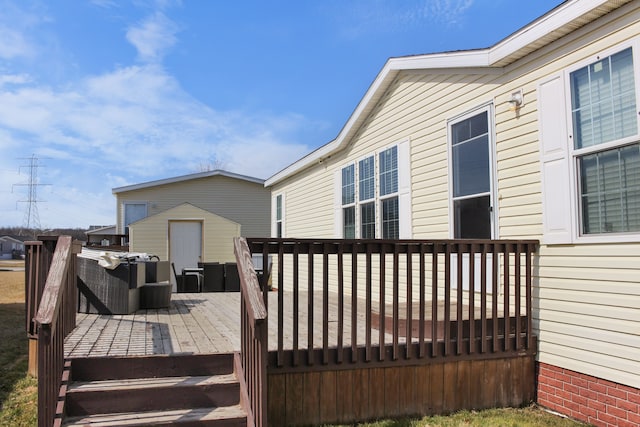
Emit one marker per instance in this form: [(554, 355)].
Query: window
[(367, 177), (379, 206), (591, 161), (471, 176), (605, 148), (348, 202), (389, 193), (279, 216), (133, 211)]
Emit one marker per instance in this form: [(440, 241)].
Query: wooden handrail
[(254, 338), (55, 319), (51, 300), (250, 288)]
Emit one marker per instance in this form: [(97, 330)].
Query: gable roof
[(217, 172), (560, 21), (182, 207), (103, 231), (13, 238)]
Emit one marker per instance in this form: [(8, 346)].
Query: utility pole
[(31, 216)]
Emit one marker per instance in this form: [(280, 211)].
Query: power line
[(31, 215)]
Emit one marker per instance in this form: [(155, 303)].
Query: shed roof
[(107, 230), (199, 175)]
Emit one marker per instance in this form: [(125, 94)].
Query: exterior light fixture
[(517, 100)]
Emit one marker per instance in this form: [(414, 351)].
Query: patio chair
[(185, 282)]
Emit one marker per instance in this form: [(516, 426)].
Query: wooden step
[(228, 416), (124, 367), (151, 394)]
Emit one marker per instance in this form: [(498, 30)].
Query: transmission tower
[(31, 217)]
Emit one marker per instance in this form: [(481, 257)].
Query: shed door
[(185, 245)]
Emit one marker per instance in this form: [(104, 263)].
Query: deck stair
[(187, 390)]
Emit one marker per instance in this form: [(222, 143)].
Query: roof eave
[(182, 178)]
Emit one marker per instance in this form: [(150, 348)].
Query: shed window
[(133, 212)]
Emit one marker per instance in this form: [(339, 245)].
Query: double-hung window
[(605, 144), (348, 202), (389, 193), (591, 161), (366, 197), (373, 196)]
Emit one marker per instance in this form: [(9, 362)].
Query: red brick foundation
[(585, 398)]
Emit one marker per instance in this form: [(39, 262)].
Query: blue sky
[(109, 93)]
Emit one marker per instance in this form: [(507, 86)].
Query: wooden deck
[(194, 324), (206, 323), (200, 323)]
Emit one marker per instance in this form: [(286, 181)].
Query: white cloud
[(14, 79), (378, 16), (141, 110), (447, 12), (153, 37), (14, 44), (132, 124), (106, 4), (16, 30)]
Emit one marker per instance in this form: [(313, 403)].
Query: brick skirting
[(586, 398)]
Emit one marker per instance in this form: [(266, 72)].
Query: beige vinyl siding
[(244, 202), (151, 234), (306, 207), (586, 296)]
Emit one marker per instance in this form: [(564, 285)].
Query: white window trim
[(403, 193), (274, 215), (123, 226), (487, 107), (573, 154)]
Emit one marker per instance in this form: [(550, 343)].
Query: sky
[(99, 94)]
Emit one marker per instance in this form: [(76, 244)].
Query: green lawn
[(18, 391), (524, 417)]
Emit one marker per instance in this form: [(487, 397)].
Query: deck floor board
[(205, 323)]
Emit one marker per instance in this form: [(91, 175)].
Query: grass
[(531, 416), (18, 391)]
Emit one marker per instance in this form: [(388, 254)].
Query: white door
[(185, 245)]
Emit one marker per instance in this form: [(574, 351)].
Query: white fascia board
[(459, 59), (548, 23), (182, 178)]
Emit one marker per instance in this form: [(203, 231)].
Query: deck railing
[(253, 356), (388, 302), (55, 319), (38, 255)]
